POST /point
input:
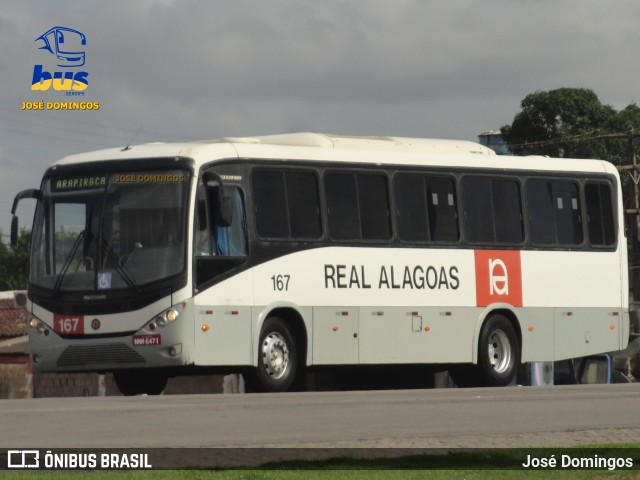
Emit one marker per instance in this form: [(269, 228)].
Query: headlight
[(39, 326), (165, 318)]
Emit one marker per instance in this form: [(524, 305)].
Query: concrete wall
[(14, 380), (93, 384), (17, 382)]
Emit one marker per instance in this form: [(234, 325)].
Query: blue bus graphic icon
[(66, 44)]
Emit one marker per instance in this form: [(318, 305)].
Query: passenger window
[(373, 199), (600, 215), (554, 212), (492, 210), (286, 204), (411, 208), (357, 206), (443, 213), (507, 211), (304, 204), (478, 215), (426, 208), (270, 204)]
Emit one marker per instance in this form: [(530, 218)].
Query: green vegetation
[(14, 262), (329, 474), (572, 123)]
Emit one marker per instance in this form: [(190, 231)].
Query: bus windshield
[(109, 231)]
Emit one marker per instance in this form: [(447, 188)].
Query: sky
[(176, 70)]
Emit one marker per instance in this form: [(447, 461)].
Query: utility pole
[(634, 174)]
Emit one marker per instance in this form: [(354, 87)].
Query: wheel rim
[(275, 355), (499, 351)]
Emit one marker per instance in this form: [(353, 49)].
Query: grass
[(327, 475)]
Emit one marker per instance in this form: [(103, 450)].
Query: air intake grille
[(108, 353)]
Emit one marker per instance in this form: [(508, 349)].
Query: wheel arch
[(294, 319), (497, 309)]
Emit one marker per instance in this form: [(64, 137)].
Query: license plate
[(68, 324), (147, 340)]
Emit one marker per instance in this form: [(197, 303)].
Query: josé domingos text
[(392, 277)]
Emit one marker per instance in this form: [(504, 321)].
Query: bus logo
[(68, 48), (498, 277), (66, 45)]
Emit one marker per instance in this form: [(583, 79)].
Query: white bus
[(272, 254)]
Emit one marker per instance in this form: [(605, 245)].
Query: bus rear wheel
[(277, 359), (498, 357), (499, 352), (141, 381)]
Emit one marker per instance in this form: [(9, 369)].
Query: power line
[(40, 134), (575, 138)]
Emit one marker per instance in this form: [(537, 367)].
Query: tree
[(561, 123), (14, 263), (626, 120)]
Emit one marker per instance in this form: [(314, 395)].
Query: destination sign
[(79, 183)]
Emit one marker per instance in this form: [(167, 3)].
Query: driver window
[(231, 240), (214, 236)]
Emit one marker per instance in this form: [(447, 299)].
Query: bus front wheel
[(277, 359)]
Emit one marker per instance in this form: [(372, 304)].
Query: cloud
[(177, 70)]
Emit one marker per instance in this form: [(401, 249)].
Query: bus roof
[(403, 144), (339, 148)]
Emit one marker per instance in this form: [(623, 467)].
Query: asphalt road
[(442, 418)]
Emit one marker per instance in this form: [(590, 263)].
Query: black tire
[(498, 357), (277, 359), (139, 382), (498, 352)]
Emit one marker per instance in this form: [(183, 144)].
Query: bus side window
[(478, 209), (411, 208), (443, 213), (231, 238), (568, 219), (554, 212), (357, 206), (600, 213), (286, 204), (493, 210), (426, 208), (213, 234), (341, 192)]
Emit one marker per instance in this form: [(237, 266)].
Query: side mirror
[(30, 193), (225, 212), (14, 231)]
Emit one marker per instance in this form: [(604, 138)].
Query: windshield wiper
[(67, 263), (106, 249)]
